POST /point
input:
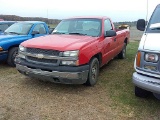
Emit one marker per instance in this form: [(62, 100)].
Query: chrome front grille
[(32, 56), (43, 51), (41, 60)]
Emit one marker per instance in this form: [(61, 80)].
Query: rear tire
[(122, 54), (93, 72), (139, 92), (11, 56)]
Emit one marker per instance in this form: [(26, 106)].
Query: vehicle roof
[(32, 21), (92, 17)]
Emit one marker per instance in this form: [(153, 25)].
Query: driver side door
[(109, 42)]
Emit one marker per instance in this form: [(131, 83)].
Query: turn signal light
[(138, 59), (1, 49)]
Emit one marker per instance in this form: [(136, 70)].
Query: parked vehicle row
[(78, 47)]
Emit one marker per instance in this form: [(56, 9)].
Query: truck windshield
[(154, 23), (89, 27), (19, 28)]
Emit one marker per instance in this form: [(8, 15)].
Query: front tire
[(11, 56), (93, 72), (139, 92)]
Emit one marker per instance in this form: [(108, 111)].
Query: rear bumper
[(61, 76), (3, 55), (147, 83)]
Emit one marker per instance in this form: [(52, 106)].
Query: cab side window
[(107, 25), (40, 28)]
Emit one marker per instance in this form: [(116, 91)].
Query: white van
[(147, 62)]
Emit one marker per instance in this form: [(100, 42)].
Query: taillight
[(138, 59)]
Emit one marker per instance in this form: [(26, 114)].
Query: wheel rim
[(94, 71), (14, 55)]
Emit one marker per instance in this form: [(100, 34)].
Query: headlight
[(151, 57), (1, 49), (70, 62), (71, 53), (21, 48), (21, 56)]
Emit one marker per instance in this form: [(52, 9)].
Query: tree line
[(18, 18), (52, 21)]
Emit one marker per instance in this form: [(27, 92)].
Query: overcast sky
[(117, 10)]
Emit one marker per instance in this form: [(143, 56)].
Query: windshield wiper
[(5, 33), (14, 33), (58, 33), (155, 28), (75, 33)]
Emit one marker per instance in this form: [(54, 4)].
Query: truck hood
[(59, 42), (8, 37), (152, 42)]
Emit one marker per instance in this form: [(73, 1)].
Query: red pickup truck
[(74, 52)]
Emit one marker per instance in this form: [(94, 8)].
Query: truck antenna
[(147, 11)]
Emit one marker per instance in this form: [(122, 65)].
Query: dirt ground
[(22, 98)]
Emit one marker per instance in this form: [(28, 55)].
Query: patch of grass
[(116, 77)]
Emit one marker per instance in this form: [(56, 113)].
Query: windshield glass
[(89, 27), (19, 28), (154, 23)]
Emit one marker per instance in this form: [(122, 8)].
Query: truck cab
[(18, 33), (147, 62)]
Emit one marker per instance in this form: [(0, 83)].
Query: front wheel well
[(13, 47), (126, 41), (99, 57)]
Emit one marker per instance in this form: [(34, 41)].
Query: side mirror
[(141, 24), (35, 32), (110, 33)]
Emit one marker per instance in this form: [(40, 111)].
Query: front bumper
[(145, 82), (3, 55), (65, 77)]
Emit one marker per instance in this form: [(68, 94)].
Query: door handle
[(114, 39)]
